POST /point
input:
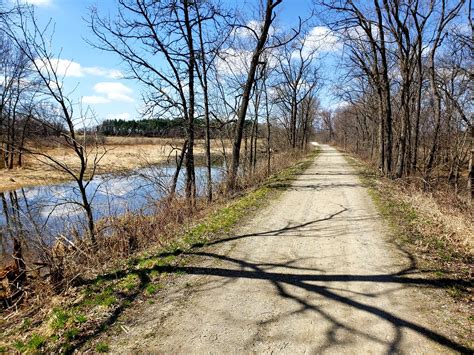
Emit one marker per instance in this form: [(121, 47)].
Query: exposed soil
[(316, 271)]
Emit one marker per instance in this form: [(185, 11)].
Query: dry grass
[(436, 228), (121, 154), (437, 217), (451, 217), (259, 173)]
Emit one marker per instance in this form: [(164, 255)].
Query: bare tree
[(299, 82), (17, 86), (261, 41), (362, 27), (212, 33), (55, 106), (156, 41), (408, 68), (445, 17)]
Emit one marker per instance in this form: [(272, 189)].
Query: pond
[(54, 208)]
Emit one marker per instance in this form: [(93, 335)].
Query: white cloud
[(69, 68), (98, 71), (322, 39), (39, 2), (119, 116), (66, 67), (234, 61), (95, 99), (108, 92), (114, 91)]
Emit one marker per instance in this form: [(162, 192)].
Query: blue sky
[(96, 75)]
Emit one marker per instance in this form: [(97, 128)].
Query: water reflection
[(55, 208)]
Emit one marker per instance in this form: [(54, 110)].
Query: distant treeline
[(156, 127)]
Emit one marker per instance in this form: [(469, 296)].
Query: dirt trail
[(314, 272)]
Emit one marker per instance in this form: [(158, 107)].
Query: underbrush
[(136, 257), (436, 229)]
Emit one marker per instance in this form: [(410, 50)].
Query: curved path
[(313, 272)]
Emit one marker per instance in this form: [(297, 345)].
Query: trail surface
[(313, 272)]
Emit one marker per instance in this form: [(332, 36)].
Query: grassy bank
[(438, 237), (82, 312)]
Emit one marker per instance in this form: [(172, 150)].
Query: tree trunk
[(385, 86), (179, 163), (204, 84), (470, 178), (190, 173), (242, 112)]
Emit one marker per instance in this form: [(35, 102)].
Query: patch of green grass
[(105, 298), (129, 283), (152, 288), (20, 346), (36, 342), (148, 262), (455, 292), (3, 349), (102, 347), (80, 318), (59, 319), (71, 334)]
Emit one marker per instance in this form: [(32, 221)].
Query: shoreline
[(29, 177)]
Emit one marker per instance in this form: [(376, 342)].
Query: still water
[(54, 207)]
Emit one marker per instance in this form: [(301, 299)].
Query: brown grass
[(436, 228), (121, 154), (452, 217)]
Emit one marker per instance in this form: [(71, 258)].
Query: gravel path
[(313, 272)]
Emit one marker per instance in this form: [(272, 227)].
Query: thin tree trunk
[(270, 5), (190, 173), (204, 84), (437, 118), (470, 178), (386, 94)]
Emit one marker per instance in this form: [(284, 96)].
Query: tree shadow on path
[(308, 279)]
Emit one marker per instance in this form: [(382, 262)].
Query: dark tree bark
[(242, 112)]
